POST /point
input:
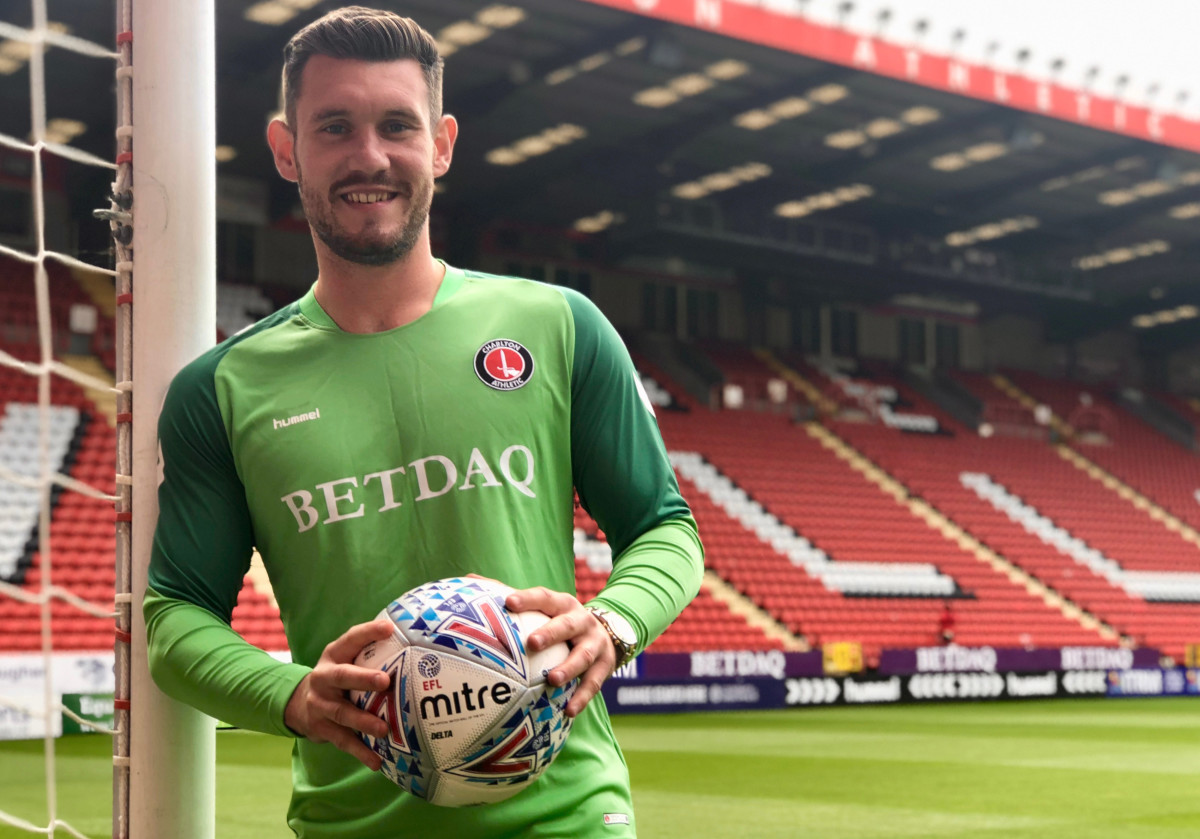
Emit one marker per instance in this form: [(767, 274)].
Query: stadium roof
[(685, 147)]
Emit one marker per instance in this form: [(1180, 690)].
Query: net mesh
[(32, 474)]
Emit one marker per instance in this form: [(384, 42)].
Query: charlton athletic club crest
[(503, 365)]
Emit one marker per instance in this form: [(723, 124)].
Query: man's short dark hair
[(366, 35)]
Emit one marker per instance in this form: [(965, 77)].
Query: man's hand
[(319, 710), (592, 656)]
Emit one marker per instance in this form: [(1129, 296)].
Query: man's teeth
[(367, 197)]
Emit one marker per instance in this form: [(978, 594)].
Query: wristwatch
[(624, 638)]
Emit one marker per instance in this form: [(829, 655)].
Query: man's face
[(364, 156)]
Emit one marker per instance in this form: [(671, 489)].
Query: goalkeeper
[(405, 420)]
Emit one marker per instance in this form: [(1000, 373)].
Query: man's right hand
[(319, 709)]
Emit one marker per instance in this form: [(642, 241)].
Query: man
[(404, 421), (946, 623)]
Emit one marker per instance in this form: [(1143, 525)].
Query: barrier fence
[(722, 681)]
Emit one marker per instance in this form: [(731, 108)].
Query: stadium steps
[(99, 289), (1128, 493), (813, 393), (257, 577), (808, 488), (679, 395), (1141, 465), (941, 523), (105, 400), (739, 604), (1006, 385)]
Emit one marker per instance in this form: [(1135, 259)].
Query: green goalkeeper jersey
[(362, 465)]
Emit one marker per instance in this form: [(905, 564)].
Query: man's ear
[(443, 144), (283, 148)]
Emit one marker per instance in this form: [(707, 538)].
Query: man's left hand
[(593, 657)]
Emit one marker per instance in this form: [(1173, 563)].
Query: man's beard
[(363, 250)]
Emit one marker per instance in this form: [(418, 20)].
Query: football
[(471, 718)]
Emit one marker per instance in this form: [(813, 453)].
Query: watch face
[(621, 628)]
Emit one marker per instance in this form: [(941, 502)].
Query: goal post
[(172, 746)]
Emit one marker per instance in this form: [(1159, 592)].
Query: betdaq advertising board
[(713, 681), (727, 681), (956, 659)]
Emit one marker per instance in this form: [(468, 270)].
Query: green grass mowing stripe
[(1076, 769), (83, 767), (253, 785), (917, 770)]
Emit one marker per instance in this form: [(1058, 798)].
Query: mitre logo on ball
[(471, 717), (503, 364)]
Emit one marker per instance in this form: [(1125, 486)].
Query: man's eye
[(395, 127), (335, 128)]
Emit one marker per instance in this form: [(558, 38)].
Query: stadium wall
[(285, 257), (1183, 371), (971, 347), (878, 336), (1106, 357), (760, 314), (1014, 342)]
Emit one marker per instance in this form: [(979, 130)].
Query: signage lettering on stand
[(1135, 683), (1096, 658), (628, 670), (711, 694), (813, 691), (707, 665), (22, 683), (758, 23), (1085, 682), (956, 686), (96, 708), (873, 692), (1023, 687), (955, 659), (1174, 683)]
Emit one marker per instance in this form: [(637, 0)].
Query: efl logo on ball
[(429, 666), (471, 718), (503, 364)]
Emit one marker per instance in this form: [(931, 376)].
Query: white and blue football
[(471, 717)]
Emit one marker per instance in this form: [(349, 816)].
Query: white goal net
[(77, 476)]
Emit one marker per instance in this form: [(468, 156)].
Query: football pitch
[(1075, 769)]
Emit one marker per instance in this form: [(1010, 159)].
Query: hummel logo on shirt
[(284, 423)]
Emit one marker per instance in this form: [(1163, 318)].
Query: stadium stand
[(240, 306), (81, 536), (933, 469), (762, 388), (852, 520), (706, 624), (81, 531), (1154, 466), (1158, 468), (82, 445), (675, 396), (1182, 408), (830, 530), (999, 408)]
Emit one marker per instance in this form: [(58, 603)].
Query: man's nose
[(370, 152)]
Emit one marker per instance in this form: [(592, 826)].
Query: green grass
[(1075, 769)]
